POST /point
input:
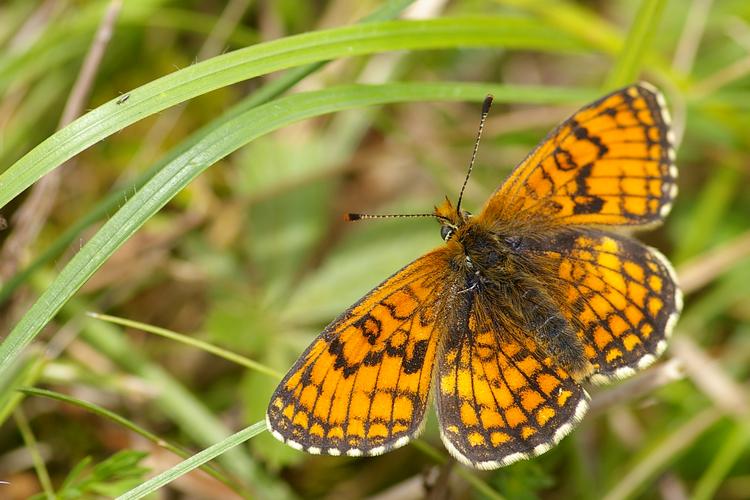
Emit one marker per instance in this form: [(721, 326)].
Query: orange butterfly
[(522, 303)]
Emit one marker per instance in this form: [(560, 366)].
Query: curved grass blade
[(191, 341), (269, 91), (194, 462), (223, 140), (114, 417), (226, 69)]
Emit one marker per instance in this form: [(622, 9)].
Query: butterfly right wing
[(362, 387)]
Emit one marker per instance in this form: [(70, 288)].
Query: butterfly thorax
[(510, 285)]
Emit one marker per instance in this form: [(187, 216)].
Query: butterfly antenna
[(355, 217), (485, 111)]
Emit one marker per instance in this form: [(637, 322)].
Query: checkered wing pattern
[(499, 400), (621, 295), (362, 387), (611, 163)]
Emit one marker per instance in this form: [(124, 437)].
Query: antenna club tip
[(352, 217), (487, 103)]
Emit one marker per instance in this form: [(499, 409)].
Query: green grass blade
[(22, 372), (264, 58), (128, 424), (32, 446), (191, 341), (179, 405), (193, 462), (576, 19), (223, 140), (628, 64), (269, 91)]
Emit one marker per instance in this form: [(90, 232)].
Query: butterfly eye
[(446, 232)]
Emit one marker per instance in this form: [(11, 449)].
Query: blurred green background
[(253, 255)]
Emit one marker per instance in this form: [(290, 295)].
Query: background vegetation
[(118, 214)]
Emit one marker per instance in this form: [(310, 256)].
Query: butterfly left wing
[(362, 387), (611, 163), (499, 399)]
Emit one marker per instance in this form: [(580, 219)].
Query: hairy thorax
[(514, 288)]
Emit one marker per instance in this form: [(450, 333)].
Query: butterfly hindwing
[(610, 164), (362, 387), (622, 295), (499, 399)]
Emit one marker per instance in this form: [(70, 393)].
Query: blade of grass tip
[(191, 341), (267, 57), (216, 145), (193, 462), (267, 92), (628, 63), (128, 424)]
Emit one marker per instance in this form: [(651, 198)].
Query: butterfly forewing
[(610, 164), (361, 388)]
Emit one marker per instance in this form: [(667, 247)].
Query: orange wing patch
[(611, 163), (362, 387), (622, 296), (499, 400)]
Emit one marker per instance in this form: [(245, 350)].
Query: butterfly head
[(451, 219)]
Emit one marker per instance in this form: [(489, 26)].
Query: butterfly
[(540, 292)]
